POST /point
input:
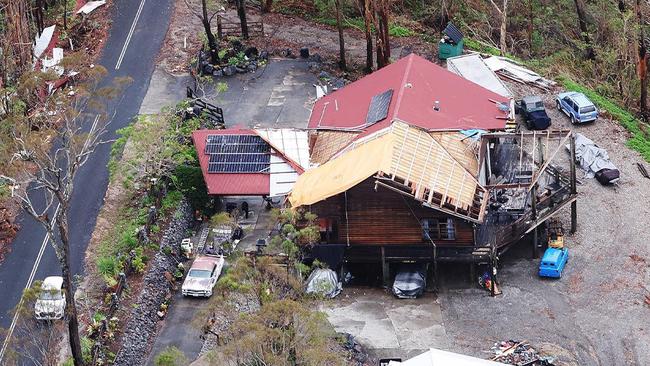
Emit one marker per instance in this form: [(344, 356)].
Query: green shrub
[(118, 148), (170, 356), (399, 31), (171, 201), (109, 266), (188, 179), (5, 191)]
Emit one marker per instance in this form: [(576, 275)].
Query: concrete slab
[(164, 90), (388, 326), (178, 330), (277, 95)]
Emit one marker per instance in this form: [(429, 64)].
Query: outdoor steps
[(205, 229)]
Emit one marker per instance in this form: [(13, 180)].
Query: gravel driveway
[(595, 314)]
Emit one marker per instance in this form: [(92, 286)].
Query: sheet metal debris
[(509, 69), (53, 63), (90, 6), (41, 42)]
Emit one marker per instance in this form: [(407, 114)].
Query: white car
[(50, 304), (203, 275)]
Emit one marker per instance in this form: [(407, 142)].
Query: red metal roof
[(417, 84), (229, 184)]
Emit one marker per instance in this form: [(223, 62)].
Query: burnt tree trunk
[(266, 5), (584, 29), (70, 306), (364, 6), (381, 33), (444, 13), (38, 16), (531, 25), (339, 25), (503, 14), (642, 63), (212, 41), (241, 12)]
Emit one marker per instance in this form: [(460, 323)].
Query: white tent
[(436, 357)]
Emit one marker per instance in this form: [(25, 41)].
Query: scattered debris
[(643, 170), (473, 68), (519, 353), (90, 6), (595, 161), (355, 349), (509, 69), (42, 42), (53, 63)]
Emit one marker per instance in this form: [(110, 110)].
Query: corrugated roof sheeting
[(292, 143), (473, 68)]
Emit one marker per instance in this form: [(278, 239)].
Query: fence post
[(219, 30)]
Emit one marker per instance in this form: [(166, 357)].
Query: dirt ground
[(596, 311), (184, 38)]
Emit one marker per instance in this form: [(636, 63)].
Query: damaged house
[(411, 164)]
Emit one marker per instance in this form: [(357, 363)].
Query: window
[(438, 229), (588, 109)]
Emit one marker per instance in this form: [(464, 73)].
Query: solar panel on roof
[(453, 33), (237, 154), (378, 109)]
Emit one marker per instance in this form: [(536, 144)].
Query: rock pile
[(142, 326)]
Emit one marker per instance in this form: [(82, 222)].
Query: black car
[(533, 112), (410, 281)]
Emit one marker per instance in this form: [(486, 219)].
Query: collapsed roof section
[(415, 91), (438, 169)]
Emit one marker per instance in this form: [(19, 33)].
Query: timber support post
[(385, 272), (574, 191), (533, 203), (219, 27)]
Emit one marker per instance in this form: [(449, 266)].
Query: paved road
[(137, 61)]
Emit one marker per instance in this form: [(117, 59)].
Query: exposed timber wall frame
[(537, 156), (531, 164)]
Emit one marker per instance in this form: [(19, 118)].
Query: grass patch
[(170, 356), (640, 141)]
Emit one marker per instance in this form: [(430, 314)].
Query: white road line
[(5, 344), (128, 37)]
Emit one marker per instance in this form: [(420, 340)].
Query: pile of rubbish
[(235, 59), (519, 353)]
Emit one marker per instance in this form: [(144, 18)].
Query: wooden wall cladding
[(384, 217)]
